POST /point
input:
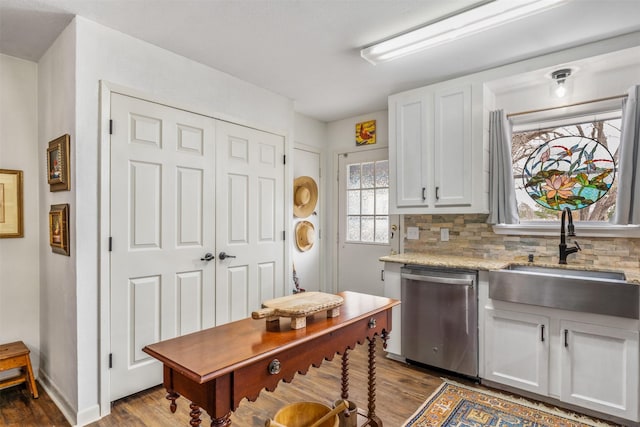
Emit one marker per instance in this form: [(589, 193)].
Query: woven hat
[(305, 196), (305, 235)]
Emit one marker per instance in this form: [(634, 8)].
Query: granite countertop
[(452, 261)]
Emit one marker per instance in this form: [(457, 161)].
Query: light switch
[(413, 233), (444, 234)]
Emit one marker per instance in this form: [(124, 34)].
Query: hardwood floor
[(400, 390)]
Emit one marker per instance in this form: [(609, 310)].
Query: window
[(605, 130), (368, 202)]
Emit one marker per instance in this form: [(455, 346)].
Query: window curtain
[(628, 200), (502, 195)]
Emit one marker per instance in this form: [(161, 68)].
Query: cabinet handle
[(566, 338), (424, 196), (542, 333), (437, 194), (382, 275)]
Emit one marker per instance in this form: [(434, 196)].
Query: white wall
[(19, 265), (58, 304), (105, 54)]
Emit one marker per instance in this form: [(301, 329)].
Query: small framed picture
[(59, 229), (366, 133), (11, 219), (58, 164)]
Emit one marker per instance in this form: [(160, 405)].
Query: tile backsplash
[(470, 235)]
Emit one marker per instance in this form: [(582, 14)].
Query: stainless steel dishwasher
[(440, 318)]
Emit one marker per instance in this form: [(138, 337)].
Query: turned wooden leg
[(374, 421), (172, 396), (195, 415), (221, 422), (345, 375)]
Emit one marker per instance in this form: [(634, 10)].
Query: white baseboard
[(81, 418)]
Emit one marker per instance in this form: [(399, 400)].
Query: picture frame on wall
[(366, 133), (58, 164), (11, 204), (59, 229)]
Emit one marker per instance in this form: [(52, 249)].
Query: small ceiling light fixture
[(560, 77), (467, 22)]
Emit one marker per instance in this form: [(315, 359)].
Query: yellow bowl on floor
[(303, 414)]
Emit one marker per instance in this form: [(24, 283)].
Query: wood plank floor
[(401, 389)]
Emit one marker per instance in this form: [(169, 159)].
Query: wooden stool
[(16, 355)]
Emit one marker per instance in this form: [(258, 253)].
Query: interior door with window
[(366, 231)]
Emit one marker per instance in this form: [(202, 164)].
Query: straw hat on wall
[(305, 196), (305, 235)]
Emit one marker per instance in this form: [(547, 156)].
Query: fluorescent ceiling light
[(463, 24)]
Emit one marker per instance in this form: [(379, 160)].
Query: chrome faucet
[(564, 251)]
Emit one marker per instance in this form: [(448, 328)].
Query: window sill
[(586, 229)]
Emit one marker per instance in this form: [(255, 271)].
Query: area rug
[(454, 404)]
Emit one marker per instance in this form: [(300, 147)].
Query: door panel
[(359, 269), (250, 175), (162, 216)]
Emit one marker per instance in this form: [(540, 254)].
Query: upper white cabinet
[(436, 150)]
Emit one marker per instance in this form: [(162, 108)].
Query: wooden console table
[(216, 368)]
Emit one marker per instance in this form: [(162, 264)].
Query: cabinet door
[(599, 368), (452, 147), (392, 281), (408, 153), (516, 351)]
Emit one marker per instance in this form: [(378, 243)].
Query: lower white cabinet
[(392, 289), (599, 368), (590, 361), (517, 350)]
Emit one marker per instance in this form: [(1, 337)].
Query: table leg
[(172, 396), (221, 422), (195, 415), (345, 375), (374, 421)]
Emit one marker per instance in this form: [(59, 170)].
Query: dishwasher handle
[(438, 279)]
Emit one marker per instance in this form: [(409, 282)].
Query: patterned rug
[(454, 404)]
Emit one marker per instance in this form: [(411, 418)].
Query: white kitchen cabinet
[(392, 289), (586, 360), (599, 368), (517, 350), (434, 165)]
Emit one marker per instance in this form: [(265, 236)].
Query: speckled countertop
[(451, 261)]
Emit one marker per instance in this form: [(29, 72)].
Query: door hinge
[(110, 127), (284, 159), (110, 360), (110, 243)]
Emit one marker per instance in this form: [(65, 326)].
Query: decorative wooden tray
[(299, 306)]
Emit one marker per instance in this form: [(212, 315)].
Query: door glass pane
[(354, 176), (382, 201), (368, 175), (353, 228), (382, 229), (382, 173), (353, 202), (368, 202), (367, 233)]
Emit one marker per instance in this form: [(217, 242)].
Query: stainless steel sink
[(601, 292)]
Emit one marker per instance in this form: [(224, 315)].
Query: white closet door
[(249, 220), (162, 224)]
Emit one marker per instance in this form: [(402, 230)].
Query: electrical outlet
[(413, 233), (444, 234)]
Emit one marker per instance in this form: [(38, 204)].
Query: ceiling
[(308, 50)]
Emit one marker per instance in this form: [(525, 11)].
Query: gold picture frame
[(59, 229), (58, 164), (11, 208)]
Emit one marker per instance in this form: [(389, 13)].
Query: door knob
[(207, 257), (224, 255)]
